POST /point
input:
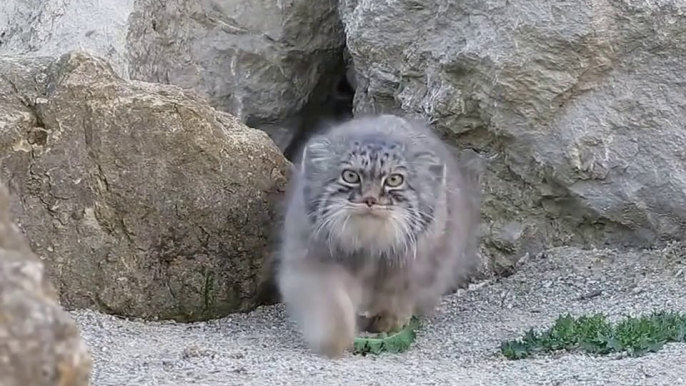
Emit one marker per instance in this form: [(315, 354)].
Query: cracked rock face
[(577, 107), (259, 60), (40, 345), (141, 198)]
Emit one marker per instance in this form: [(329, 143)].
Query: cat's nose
[(370, 201)]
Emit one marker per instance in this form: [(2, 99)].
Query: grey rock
[(40, 344), (141, 198), (576, 106), (261, 61), (53, 27)]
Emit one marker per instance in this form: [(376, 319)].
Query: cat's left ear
[(314, 152)]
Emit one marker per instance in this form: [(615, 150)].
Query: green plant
[(595, 335), (395, 343)]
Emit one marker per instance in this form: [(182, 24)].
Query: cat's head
[(371, 190)]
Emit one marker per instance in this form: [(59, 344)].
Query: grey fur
[(340, 258)]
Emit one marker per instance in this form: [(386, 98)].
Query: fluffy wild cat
[(381, 222)]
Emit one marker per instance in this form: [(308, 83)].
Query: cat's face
[(372, 194)]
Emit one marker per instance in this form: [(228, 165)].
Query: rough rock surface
[(577, 106), (40, 344), (54, 27), (142, 199), (261, 61), (458, 346)]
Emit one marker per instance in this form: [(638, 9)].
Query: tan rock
[(40, 345), (142, 199)]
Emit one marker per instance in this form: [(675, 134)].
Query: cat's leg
[(390, 319), (323, 300), (391, 307), (414, 291)]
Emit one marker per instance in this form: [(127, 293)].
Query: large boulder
[(577, 106), (259, 60), (141, 198), (40, 345)]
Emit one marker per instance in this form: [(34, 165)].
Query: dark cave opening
[(332, 103)]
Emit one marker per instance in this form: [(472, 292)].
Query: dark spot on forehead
[(374, 154), (377, 148)]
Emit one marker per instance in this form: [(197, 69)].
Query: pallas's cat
[(380, 221)]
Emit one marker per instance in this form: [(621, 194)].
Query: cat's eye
[(350, 176), (394, 180)]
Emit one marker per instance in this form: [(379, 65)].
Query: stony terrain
[(456, 347)]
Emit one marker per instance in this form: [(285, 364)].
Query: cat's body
[(380, 221)]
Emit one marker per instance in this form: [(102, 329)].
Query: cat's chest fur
[(374, 271), (371, 235)]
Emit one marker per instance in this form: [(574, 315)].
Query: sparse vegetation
[(395, 343), (596, 335)]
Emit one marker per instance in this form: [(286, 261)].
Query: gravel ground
[(459, 346)]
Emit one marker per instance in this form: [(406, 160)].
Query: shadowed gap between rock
[(330, 102)]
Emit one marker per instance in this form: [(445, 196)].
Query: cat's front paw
[(387, 321), (332, 330), (336, 343)]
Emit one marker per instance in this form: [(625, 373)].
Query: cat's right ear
[(314, 152)]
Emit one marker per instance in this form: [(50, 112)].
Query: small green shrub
[(595, 335), (395, 343)]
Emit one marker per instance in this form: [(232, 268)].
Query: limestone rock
[(259, 60), (53, 27), (40, 345), (142, 199), (577, 106)]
